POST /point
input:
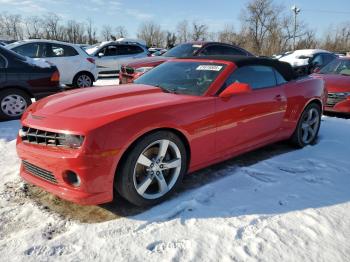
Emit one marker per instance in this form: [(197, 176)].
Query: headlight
[(73, 141), (143, 69)]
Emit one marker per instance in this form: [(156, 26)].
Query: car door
[(253, 119), (66, 59), (106, 59), (3, 65), (127, 53)]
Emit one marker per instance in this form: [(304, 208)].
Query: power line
[(327, 11)]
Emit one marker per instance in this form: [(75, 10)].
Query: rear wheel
[(308, 126), (153, 169), (83, 80), (13, 103)]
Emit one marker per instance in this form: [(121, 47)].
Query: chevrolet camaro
[(186, 114)]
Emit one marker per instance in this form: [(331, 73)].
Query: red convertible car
[(185, 114), (337, 80)]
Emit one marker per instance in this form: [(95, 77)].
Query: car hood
[(149, 61), (89, 108), (335, 83)]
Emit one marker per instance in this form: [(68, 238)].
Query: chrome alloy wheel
[(84, 81), (13, 105), (157, 169), (310, 126)]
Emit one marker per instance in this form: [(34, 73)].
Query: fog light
[(71, 178)]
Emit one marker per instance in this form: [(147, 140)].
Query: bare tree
[(152, 34), (228, 35), (199, 31), (183, 31), (12, 26), (338, 38), (34, 27), (120, 32), (52, 27), (91, 32), (260, 17), (106, 32), (75, 32)]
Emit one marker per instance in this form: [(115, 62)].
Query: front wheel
[(153, 169), (13, 103), (308, 126)]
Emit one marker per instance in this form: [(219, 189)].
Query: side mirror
[(236, 89), (100, 55), (316, 70)]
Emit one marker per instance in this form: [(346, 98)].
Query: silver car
[(111, 55)]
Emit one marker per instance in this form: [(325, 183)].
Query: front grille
[(335, 98), (39, 172), (41, 137)]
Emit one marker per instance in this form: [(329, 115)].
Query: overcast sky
[(319, 15)]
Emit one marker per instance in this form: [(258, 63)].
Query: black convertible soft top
[(283, 68)]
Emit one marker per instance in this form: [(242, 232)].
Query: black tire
[(82, 78), (17, 109), (297, 138), (125, 180)]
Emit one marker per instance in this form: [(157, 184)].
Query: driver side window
[(256, 76), (317, 60), (110, 50)]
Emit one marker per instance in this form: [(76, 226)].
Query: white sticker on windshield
[(209, 68), (197, 46)]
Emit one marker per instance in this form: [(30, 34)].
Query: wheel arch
[(84, 72), (30, 94), (175, 131)]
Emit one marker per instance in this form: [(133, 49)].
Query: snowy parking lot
[(274, 204)]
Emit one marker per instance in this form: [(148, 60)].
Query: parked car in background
[(76, 68), (183, 115), (337, 79), (134, 69), (304, 61), (110, 56), (156, 51), (22, 78), (159, 53)]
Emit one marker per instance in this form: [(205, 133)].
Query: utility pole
[(296, 11)]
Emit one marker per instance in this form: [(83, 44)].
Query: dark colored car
[(22, 79), (129, 72)]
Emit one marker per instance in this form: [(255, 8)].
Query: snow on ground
[(105, 81), (293, 206)]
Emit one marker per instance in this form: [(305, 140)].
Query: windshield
[(190, 78), (91, 49), (183, 50), (338, 66)]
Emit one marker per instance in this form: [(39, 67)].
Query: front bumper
[(96, 172), (340, 107)]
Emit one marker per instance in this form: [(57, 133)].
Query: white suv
[(111, 55), (76, 67)]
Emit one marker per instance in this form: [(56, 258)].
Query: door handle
[(278, 98)]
